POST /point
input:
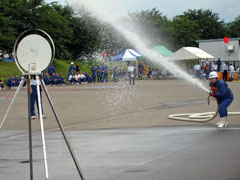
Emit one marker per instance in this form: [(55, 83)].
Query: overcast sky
[(227, 9)]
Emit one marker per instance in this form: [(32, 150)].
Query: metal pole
[(42, 127), (137, 67), (63, 132), (13, 100), (30, 130)]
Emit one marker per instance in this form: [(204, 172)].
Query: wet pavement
[(160, 153), (121, 132)]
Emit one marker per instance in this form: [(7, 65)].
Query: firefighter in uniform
[(224, 96)]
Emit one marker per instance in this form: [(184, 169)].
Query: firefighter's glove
[(212, 94)]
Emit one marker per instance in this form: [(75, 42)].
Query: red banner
[(226, 40)]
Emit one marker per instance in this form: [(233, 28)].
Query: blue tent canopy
[(5, 59), (127, 55)]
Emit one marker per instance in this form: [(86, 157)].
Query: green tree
[(152, 25), (196, 24), (233, 28)]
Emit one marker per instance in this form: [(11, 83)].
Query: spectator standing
[(225, 69), (34, 97), (51, 70), (207, 70), (77, 68), (99, 74), (219, 64), (215, 67), (105, 73), (197, 69), (72, 68), (94, 70), (131, 74), (231, 72), (115, 74)]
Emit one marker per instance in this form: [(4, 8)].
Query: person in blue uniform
[(115, 73), (89, 79), (207, 70), (72, 68), (34, 97), (99, 74), (219, 64), (105, 73), (11, 82), (17, 80), (61, 80), (70, 73), (72, 78), (53, 80), (1, 84), (224, 96), (46, 79), (51, 70), (94, 71)]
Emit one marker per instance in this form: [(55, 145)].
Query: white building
[(219, 49)]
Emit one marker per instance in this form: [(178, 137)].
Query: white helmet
[(213, 74), (71, 62)]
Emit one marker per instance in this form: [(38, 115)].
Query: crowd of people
[(100, 74), (13, 82), (218, 66)]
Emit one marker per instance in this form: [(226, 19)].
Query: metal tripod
[(40, 81)]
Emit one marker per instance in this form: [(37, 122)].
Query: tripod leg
[(30, 132), (42, 128), (13, 100), (63, 133)]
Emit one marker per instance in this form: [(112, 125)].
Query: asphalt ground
[(100, 106), (120, 131), (162, 153)]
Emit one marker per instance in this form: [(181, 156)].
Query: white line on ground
[(211, 129)]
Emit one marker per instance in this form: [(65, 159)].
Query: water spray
[(153, 56)]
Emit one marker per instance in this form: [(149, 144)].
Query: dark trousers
[(34, 98), (198, 75), (223, 106), (105, 77), (11, 84), (94, 77), (225, 75), (99, 77), (131, 79)]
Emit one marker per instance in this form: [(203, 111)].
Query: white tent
[(190, 53)]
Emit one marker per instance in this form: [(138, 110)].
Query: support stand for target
[(39, 79), (25, 59)]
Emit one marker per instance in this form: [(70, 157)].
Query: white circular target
[(34, 50)]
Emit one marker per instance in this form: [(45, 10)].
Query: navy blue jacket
[(72, 67), (221, 90), (51, 70)]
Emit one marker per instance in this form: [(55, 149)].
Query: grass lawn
[(61, 66)]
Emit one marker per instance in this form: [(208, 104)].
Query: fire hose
[(198, 117)]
